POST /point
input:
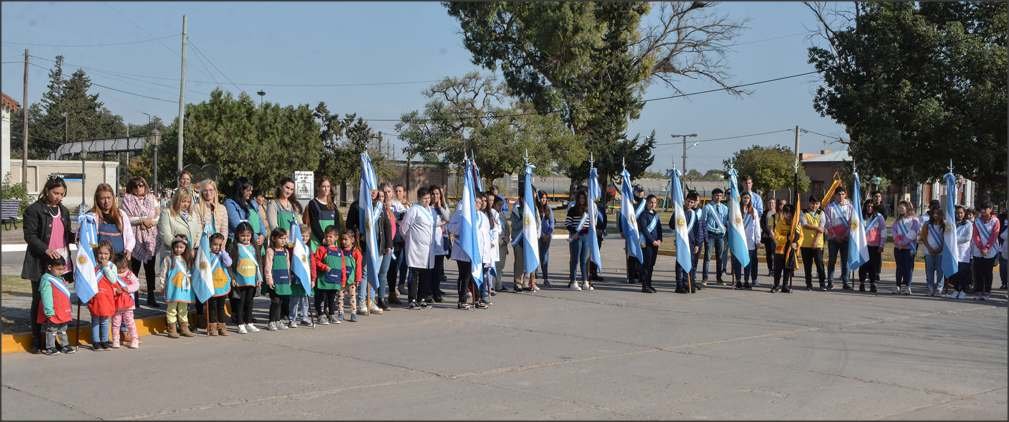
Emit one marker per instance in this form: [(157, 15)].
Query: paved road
[(560, 354)]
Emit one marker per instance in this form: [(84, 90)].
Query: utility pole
[(24, 127), (182, 90), (795, 168), (692, 135)]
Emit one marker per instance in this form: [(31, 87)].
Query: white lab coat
[(418, 233)]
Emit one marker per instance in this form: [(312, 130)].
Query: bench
[(10, 213)]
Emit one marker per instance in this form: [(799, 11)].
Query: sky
[(376, 58)]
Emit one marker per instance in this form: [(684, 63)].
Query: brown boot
[(172, 333), (184, 330), (212, 329), (223, 329)]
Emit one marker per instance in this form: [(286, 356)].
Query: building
[(9, 107), (80, 177)]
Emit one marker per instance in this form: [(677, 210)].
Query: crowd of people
[(251, 239)]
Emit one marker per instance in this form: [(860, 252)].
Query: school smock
[(245, 266), (751, 229), (964, 234), (278, 270), (330, 267), (318, 217), (178, 281), (221, 277), (55, 301), (122, 240)]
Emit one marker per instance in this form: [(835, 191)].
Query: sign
[(68, 177), (304, 184)]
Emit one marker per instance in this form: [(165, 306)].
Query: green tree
[(343, 140), (772, 168), (918, 84), (713, 175)]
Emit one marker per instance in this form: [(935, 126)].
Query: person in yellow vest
[(785, 246), (811, 247)]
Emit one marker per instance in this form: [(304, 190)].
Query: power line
[(115, 74), (135, 94), (732, 87), (91, 45), (748, 135), (200, 52), (818, 133)]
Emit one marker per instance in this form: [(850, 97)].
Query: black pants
[(648, 266), (325, 302), (38, 338), (279, 306), (395, 268), (216, 309), (749, 272), (243, 304), (633, 269), (983, 274), (419, 283), (148, 265), (870, 269), (810, 256), (963, 276), (437, 275), (465, 278), (769, 253), (783, 269)]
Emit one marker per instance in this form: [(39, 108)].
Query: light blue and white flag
[(737, 233), (300, 266), (682, 234), (628, 215), (203, 267), (951, 249), (369, 216), (530, 224), (858, 248), (85, 277), (468, 240), (592, 212)]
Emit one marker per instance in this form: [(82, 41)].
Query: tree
[(343, 141), (772, 168), (918, 84), (713, 175), (589, 62)]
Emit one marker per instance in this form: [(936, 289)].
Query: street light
[(156, 140), (692, 135)]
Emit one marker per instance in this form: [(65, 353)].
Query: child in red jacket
[(328, 272), (54, 307), (103, 305)]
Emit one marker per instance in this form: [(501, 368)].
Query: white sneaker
[(251, 327), (898, 290), (281, 325), (588, 286), (961, 295), (323, 320), (575, 286), (292, 324), (362, 311), (536, 288), (907, 291), (375, 309), (242, 330), (272, 326)]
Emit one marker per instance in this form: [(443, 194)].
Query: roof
[(9, 102), (830, 157), (100, 145)]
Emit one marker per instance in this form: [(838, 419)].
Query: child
[(246, 276), (931, 235), (222, 287), (278, 278), (175, 279), (103, 305), (905, 231), (984, 249), (125, 285), (329, 271), (351, 258), (299, 299), (54, 309), (964, 234), (785, 243), (875, 238), (751, 232)]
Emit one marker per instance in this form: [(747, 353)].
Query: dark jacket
[(696, 235), (353, 221), (319, 232), (38, 227), (649, 236), (384, 232)]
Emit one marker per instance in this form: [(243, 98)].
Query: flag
[(682, 234), (530, 225), (84, 267), (369, 216), (794, 227), (467, 233), (477, 183), (830, 193), (203, 267), (737, 233), (299, 263), (858, 249), (628, 215), (593, 213), (950, 250)]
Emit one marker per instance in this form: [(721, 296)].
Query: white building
[(9, 107)]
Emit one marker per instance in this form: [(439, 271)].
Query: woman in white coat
[(490, 232), (418, 233)]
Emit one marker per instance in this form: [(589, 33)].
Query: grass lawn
[(15, 284)]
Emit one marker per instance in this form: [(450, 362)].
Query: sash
[(839, 212), (872, 223), (903, 231), (584, 222), (983, 231), (718, 217), (935, 235), (652, 224), (55, 281), (691, 219), (640, 209), (747, 220)]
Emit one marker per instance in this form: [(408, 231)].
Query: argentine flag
[(682, 234), (530, 225), (203, 267), (592, 214), (369, 216), (84, 265), (858, 250), (299, 263), (628, 216), (950, 250), (467, 233), (737, 238)]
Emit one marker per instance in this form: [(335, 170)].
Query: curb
[(21, 342), (887, 265)]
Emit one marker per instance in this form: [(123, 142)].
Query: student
[(964, 235), (352, 262), (385, 235), (329, 272), (504, 241), (277, 273), (441, 245), (222, 286), (751, 233), (715, 219), (418, 233), (462, 260), (633, 266), (786, 245), (486, 229), (103, 304), (493, 244), (811, 247), (984, 250), (695, 238), (246, 276), (905, 236), (1003, 261), (767, 221), (54, 307), (578, 229), (931, 235), (875, 239), (175, 278), (547, 223), (124, 286), (651, 236), (520, 279), (838, 216)]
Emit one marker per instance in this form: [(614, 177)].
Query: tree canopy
[(772, 168)]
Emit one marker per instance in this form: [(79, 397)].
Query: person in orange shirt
[(784, 251)]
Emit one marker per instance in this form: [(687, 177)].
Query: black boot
[(861, 286)]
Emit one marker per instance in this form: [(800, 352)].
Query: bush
[(16, 191)]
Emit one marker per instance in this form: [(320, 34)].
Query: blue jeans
[(100, 329), (835, 248), (383, 272), (545, 256), (715, 244), (933, 272), (905, 266), (579, 256)]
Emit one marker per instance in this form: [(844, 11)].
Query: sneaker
[(66, 350), (334, 319), (281, 325), (353, 317), (423, 304), (242, 329), (251, 327), (272, 326), (897, 291), (376, 310), (48, 351), (292, 324), (413, 305), (574, 286), (907, 291), (535, 289), (308, 323), (982, 297), (361, 310), (588, 286), (481, 305), (464, 306), (339, 317), (323, 320)]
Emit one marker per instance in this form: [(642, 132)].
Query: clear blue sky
[(263, 44)]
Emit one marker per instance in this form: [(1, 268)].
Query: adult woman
[(440, 247), (209, 210), (113, 223), (177, 219), (418, 232), (384, 231), (321, 213), (491, 253), (751, 233), (984, 249), (47, 233), (578, 238), (283, 211), (503, 240), (241, 207), (143, 209), (547, 223), (185, 181)]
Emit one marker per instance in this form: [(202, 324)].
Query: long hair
[(52, 183), (134, 182), (280, 189), (581, 208), (177, 197), (441, 197), (236, 192), (330, 202), (113, 214), (749, 204), (488, 206), (544, 209)]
